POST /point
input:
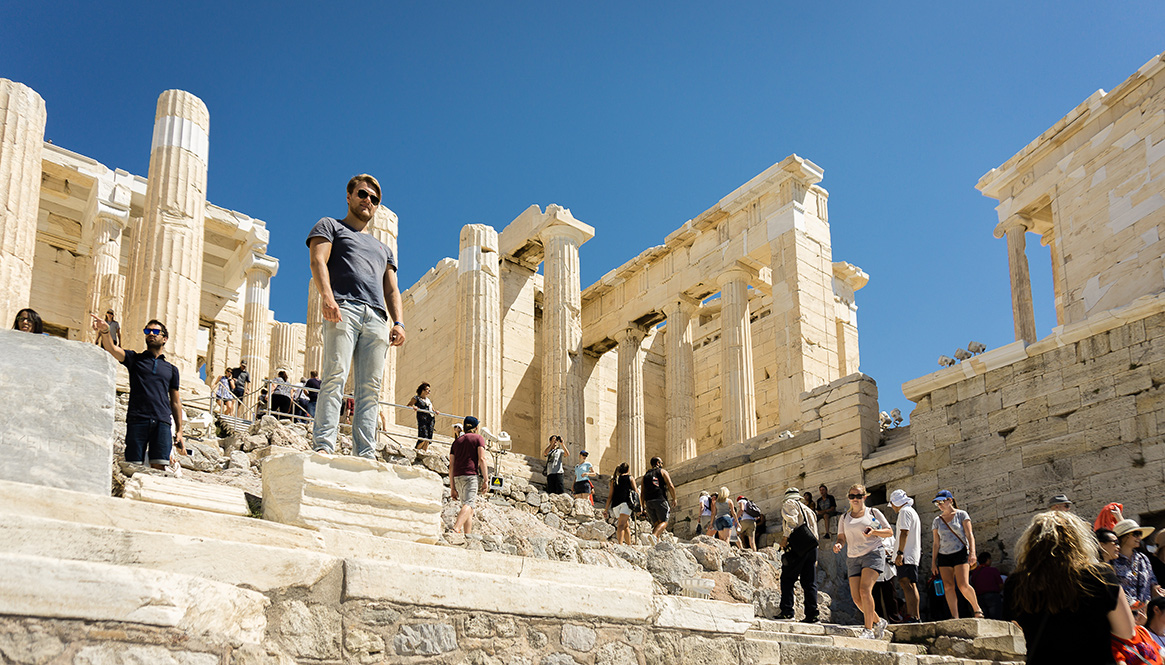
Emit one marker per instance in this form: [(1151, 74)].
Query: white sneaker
[(866, 634), (880, 628)]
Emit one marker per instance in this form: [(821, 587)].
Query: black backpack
[(751, 509)]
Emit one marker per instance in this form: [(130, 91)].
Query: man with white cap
[(799, 562), (909, 530)]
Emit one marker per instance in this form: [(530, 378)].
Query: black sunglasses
[(856, 496), (365, 194)]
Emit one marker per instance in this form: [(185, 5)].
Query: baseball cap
[(943, 495), (470, 422)]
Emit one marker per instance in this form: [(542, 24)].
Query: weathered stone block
[(314, 490), (43, 587), (39, 446), (187, 493)]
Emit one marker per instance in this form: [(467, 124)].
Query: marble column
[(630, 427), (22, 123), (107, 216), (738, 393), (1021, 284), (478, 366), (384, 227), (1050, 239), (259, 272), (680, 382), (562, 386), (283, 349), (168, 264), (313, 355)]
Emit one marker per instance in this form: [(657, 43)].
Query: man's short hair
[(160, 325), (655, 461), (365, 178), (314, 374)]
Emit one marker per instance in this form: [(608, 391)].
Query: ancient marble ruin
[(731, 350)]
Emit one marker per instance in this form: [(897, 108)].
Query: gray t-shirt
[(357, 264), (947, 542), (554, 461)]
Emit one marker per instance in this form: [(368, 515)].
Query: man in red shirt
[(467, 473)]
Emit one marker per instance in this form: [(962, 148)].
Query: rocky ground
[(519, 520)]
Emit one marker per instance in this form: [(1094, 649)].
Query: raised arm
[(106, 339)]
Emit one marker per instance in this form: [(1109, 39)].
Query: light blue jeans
[(360, 337)]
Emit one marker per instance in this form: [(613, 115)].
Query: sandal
[(979, 615)]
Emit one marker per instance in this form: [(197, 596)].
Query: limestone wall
[(840, 429), (1079, 412), (430, 311)]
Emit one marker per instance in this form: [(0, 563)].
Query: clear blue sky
[(636, 116)]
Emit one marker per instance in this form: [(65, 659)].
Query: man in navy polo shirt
[(153, 396)]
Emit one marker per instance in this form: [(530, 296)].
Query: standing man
[(909, 530), (469, 470), (313, 392), (242, 378), (554, 453), (655, 483), (799, 561), (826, 507), (356, 276), (153, 396)]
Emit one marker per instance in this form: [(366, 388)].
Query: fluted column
[(680, 382), (108, 215), (313, 355), (283, 348), (738, 393), (255, 343), (478, 369), (630, 427), (168, 263), (562, 393), (384, 227), (22, 123), (1021, 284)]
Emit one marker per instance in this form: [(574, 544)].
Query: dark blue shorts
[(149, 435)]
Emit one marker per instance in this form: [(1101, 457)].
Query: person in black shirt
[(153, 396), (242, 378), (1068, 603), (656, 486)]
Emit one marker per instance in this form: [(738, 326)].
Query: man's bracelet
[(398, 323)]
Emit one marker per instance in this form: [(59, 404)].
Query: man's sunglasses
[(856, 496), (365, 194), (153, 331)]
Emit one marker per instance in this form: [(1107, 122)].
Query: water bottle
[(938, 587)]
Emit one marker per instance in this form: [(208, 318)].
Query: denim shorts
[(148, 434), (722, 522), (466, 489), (875, 560)]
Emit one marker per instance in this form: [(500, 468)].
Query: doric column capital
[(572, 233), (632, 335), (681, 305), (737, 273), (261, 262)]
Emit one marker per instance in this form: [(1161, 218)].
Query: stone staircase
[(778, 642), (233, 424)]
